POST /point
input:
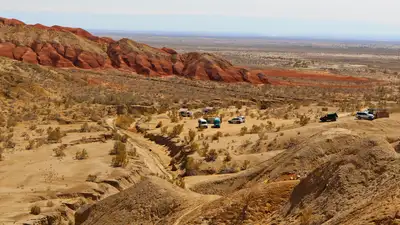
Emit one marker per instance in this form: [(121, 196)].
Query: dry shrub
[(121, 156), (35, 210), (255, 129), (120, 160), (245, 144), (54, 136), (32, 127), (303, 120), (216, 136), (228, 157), (85, 128), (176, 131), (324, 109), (59, 151), (164, 130), (193, 147), (211, 156), (180, 182), (174, 116), (124, 121), (203, 151), (81, 155), (190, 166), (91, 178), (119, 146), (49, 204), (243, 131), (31, 145), (192, 135)]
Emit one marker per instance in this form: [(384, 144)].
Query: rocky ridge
[(66, 47)]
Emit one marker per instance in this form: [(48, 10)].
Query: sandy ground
[(29, 177)]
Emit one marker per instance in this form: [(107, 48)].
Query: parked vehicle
[(236, 120), (186, 113), (243, 118), (217, 123), (203, 123), (364, 116), (329, 117)]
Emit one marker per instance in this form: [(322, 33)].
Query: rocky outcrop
[(74, 47)]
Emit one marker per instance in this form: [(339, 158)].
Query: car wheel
[(359, 117)]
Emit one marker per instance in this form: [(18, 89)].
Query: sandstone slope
[(74, 47)]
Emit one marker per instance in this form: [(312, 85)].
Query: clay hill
[(66, 47)]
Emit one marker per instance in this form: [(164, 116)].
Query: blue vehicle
[(217, 122)]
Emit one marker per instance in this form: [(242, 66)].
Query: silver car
[(364, 116)]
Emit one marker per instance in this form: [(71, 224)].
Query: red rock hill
[(74, 47)]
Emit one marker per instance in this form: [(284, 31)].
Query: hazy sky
[(270, 17)]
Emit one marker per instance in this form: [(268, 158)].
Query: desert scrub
[(176, 131), (190, 166), (203, 151), (174, 116), (303, 120), (216, 136), (54, 136), (91, 178), (211, 156), (255, 129), (192, 135), (32, 127), (164, 130), (59, 151), (243, 131), (120, 159), (119, 146), (30, 145), (124, 121), (85, 128), (245, 144), (228, 157), (50, 204), (81, 155), (35, 210), (192, 147)]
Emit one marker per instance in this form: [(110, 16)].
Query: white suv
[(364, 116)]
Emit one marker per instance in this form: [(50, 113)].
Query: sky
[(312, 18)]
